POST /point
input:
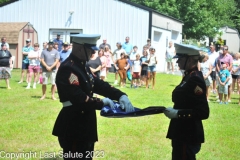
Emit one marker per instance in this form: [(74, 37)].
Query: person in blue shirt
[(25, 63), (65, 52), (127, 46), (223, 78), (59, 41)]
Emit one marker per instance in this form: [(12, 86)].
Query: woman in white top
[(236, 71), (206, 68), (152, 62), (34, 65)]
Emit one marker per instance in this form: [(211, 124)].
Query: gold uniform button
[(183, 115), (82, 112), (92, 85), (189, 115)]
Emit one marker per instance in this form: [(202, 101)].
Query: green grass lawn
[(26, 125)]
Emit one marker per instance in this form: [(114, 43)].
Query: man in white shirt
[(213, 55)]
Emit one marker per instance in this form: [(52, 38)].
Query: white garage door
[(160, 41)]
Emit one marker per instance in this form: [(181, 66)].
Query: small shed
[(16, 34), (231, 38)]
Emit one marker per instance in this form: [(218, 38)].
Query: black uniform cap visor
[(180, 56)]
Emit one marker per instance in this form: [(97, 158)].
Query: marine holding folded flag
[(76, 124), (190, 106)]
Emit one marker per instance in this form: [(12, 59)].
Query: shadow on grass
[(38, 97), (172, 85), (3, 87)]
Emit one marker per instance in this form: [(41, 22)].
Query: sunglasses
[(225, 49)]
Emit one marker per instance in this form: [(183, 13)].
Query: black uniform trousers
[(184, 151), (73, 149)]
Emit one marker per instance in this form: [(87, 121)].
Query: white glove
[(126, 104), (171, 113), (108, 102)]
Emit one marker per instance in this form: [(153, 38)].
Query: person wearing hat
[(4, 41), (76, 124), (226, 58), (25, 62), (190, 106), (223, 78), (5, 64), (49, 59), (65, 52), (59, 42)]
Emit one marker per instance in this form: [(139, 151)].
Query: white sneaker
[(172, 73), (34, 86), (217, 96), (28, 87), (218, 100), (167, 72), (115, 82), (229, 100)]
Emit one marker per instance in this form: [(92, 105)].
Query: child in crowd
[(122, 65), (136, 72), (133, 54), (103, 59), (152, 62), (236, 72), (206, 68), (129, 72), (144, 66), (223, 78)]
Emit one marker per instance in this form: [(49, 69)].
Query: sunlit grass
[(26, 124)]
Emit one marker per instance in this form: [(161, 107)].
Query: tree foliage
[(201, 17), (3, 1)]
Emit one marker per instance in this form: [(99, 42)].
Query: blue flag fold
[(118, 112)]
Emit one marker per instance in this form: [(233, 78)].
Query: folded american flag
[(118, 112)]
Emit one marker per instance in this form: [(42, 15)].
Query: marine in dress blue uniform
[(190, 106), (76, 124)]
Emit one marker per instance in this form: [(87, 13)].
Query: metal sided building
[(113, 19)]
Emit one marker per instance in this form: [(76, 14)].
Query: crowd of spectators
[(125, 61)]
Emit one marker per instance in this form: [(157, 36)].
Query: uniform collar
[(190, 70), (77, 61)]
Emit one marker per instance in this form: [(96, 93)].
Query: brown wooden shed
[(16, 34)]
